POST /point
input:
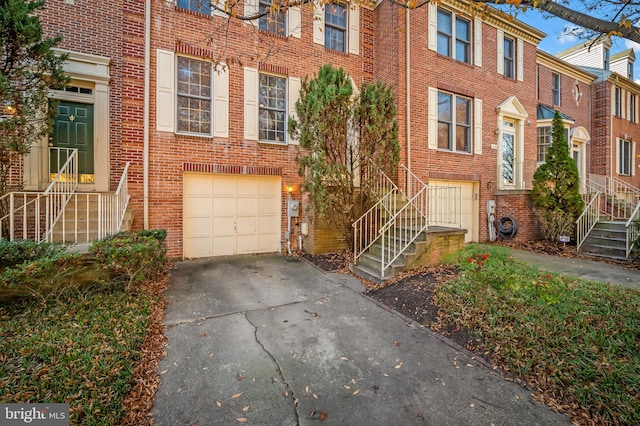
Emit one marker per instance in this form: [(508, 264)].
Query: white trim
[(318, 22), (500, 50), (432, 119), (354, 30), (165, 91), (221, 101), (432, 10), (477, 126), (520, 59), (251, 88), (477, 42), (294, 94), (294, 16)]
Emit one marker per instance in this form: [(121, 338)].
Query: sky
[(556, 42)]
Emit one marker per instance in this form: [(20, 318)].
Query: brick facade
[(119, 34)]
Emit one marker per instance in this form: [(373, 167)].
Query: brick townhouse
[(198, 105)]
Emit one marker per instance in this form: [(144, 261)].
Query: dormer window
[(606, 59), (630, 70)]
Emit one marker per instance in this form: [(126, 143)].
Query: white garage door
[(230, 214), (468, 204)]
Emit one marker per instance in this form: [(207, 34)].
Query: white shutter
[(520, 55), (221, 101), (633, 159), (477, 126), (294, 95), (477, 42), (432, 119), (250, 8), (354, 30), (627, 107), (295, 21), (318, 23), (251, 88), (618, 151), (432, 10), (500, 49), (222, 4), (165, 91)]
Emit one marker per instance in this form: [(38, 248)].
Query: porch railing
[(445, 206), (620, 197), (633, 229), (22, 219), (366, 229), (588, 219), (404, 227), (61, 189), (92, 216)]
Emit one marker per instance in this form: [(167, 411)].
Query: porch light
[(8, 108), (290, 189)]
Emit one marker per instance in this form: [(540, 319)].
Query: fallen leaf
[(306, 389), (344, 358), (347, 387), (286, 393), (315, 396), (219, 404), (399, 365), (396, 343), (242, 419), (240, 377), (236, 395), (203, 334), (245, 409), (356, 392), (163, 371), (323, 415)]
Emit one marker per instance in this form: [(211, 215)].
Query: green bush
[(45, 277), (14, 253), (132, 258)]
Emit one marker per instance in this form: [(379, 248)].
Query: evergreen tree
[(556, 185), (339, 132), (29, 68)]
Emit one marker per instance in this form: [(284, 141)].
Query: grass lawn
[(576, 343), (80, 350)]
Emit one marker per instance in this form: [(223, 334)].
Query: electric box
[(491, 207), (293, 208)]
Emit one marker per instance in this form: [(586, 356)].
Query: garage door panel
[(231, 214), (468, 205)]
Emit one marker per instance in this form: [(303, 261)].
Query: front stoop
[(430, 248), (607, 239)]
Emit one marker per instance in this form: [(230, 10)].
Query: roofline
[(557, 64)]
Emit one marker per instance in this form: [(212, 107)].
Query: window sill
[(327, 49), (273, 143), (272, 34), (194, 12)]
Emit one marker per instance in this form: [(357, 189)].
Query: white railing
[(61, 188), (588, 219), (22, 219), (518, 175), (406, 224), (366, 228), (91, 216), (445, 206), (633, 229), (620, 197)]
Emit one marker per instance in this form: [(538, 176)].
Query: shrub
[(45, 277), (132, 258), (555, 223), (16, 252)]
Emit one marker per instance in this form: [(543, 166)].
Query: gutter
[(145, 134), (408, 97)]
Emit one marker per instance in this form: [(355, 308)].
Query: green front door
[(73, 129)]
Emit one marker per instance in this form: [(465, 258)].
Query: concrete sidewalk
[(581, 268), (272, 340)]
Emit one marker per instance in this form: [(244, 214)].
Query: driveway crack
[(289, 390)]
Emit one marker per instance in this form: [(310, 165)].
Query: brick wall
[(518, 205), (242, 45)]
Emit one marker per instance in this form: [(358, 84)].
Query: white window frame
[(352, 35), (271, 19), (542, 148), (454, 123), (189, 96), (293, 18), (617, 102), (518, 56), (452, 36), (331, 26), (252, 105), (283, 110), (511, 111), (625, 157), (632, 107), (166, 95), (556, 86), (509, 57)]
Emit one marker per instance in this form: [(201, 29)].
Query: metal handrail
[(621, 196), (588, 220), (60, 191), (633, 229)]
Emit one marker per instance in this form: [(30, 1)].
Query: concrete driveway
[(272, 340)]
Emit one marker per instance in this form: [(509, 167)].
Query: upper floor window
[(509, 57), (272, 113), (454, 36), (194, 106), (335, 31), (201, 6), (624, 157), (606, 58), (274, 22), (555, 88), (544, 142), (454, 122), (617, 102), (632, 108), (630, 71)]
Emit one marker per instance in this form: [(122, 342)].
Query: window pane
[(509, 69), (444, 107), (463, 139), (194, 96), (463, 111), (444, 32), (463, 40), (274, 22), (544, 141), (272, 107), (444, 135), (507, 157)]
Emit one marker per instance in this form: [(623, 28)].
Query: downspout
[(145, 134), (408, 99)]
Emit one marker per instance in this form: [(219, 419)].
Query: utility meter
[(293, 208)]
